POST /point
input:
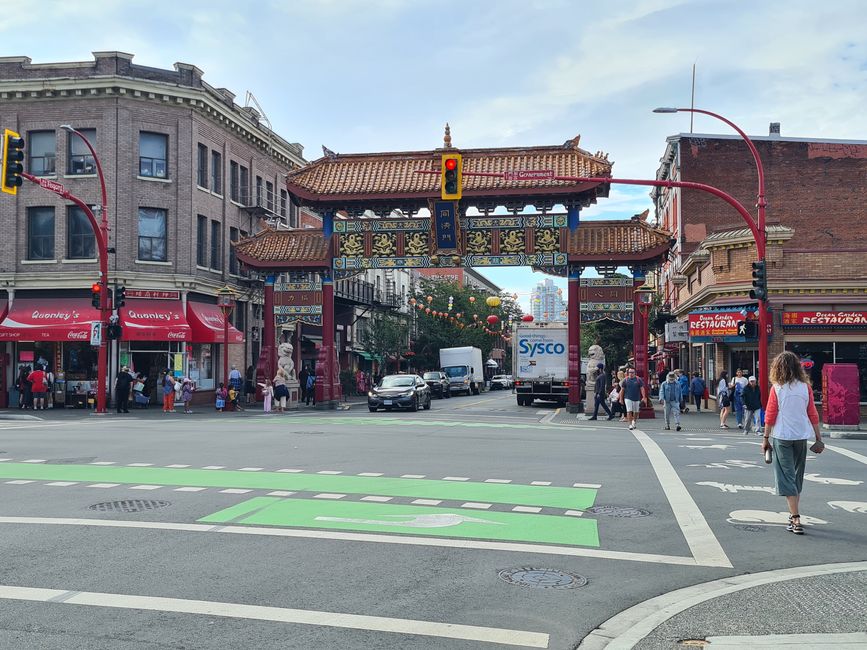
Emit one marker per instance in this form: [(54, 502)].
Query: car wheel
[(427, 405), (372, 409), (414, 406), (448, 393)]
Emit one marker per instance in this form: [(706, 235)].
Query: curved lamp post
[(226, 302), (759, 235)]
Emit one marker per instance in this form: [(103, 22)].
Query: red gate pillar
[(327, 386), (576, 404), (640, 341), (266, 366)]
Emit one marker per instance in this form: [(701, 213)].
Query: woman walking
[(789, 418), (281, 391), (723, 399)]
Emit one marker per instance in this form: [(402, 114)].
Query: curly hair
[(786, 368)]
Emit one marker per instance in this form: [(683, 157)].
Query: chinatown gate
[(346, 188)]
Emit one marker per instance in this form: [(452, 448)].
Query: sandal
[(795, 525)]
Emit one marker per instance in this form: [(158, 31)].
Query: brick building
[(187, 170), (817, 240)]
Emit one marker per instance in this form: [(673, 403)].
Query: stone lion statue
[(595, 356), (284, 359)]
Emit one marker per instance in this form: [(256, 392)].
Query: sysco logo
[(539, 348)]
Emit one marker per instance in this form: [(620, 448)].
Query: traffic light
[(751, 329), (451, 177), (114, 331), (760, 281), (13, 155), (119, 296), (95, 293)]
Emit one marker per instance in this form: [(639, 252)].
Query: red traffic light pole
[(100, 234)]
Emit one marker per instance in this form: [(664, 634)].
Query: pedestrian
[(250, 384), (302, 382), (723, 399), (187, 390), (267, 395), (670, 398), (789, 417), (616, 404), (220, 397), (697, 388), (737, 386), (311, 388), (37, 382), (633, 392), (168, 392), (683, 382), (281, 391), (49, 387), (122, 384), (600, 394), (235, 379), (234, 398), (25, 394), (752, 398)]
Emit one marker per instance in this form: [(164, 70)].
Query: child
[(221, 398), (187, 394), (616, 404), (267, 395), (233, 398)]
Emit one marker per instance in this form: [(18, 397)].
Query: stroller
[(141, 400)]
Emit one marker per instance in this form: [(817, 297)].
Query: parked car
[(439, 384), (399, 391), (501, 382)]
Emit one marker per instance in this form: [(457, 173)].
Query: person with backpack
[(696, 389), (281, 390), (683, 382), (311, 388), (752, 398), (670, 398), (739, 382), (723, 399)]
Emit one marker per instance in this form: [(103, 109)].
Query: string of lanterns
[(458, 319)]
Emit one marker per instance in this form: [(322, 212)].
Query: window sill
[(39, 261), (51, 177), (216, 270), (204, 189), (219, 196), (234, 202), (79, 260), (153, 263), (80, 176), (154, 178), (202, 268)]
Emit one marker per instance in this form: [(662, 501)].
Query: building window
[(234, 189), (152, 234), (41, 147), (233, 259), (293, 215), (201, 240), (80, 241), (40, 233), (283, 203), (245, 186), (216, 172), (259, 191), (153, 154), (216, 249), (80, 159), (269, 195), (202, 167)]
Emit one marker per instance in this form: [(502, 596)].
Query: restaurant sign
[(718, 324), (825, 319)]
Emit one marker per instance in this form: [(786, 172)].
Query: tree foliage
[(386, 337), (615, 339)]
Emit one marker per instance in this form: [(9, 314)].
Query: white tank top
[(792, 420)]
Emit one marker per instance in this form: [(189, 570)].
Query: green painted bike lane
[(508, 493), (413, 520), (364, 421)]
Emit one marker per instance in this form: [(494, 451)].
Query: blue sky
[(380, 75)]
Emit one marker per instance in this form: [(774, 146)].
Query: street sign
[(95, 333), (528, 175)]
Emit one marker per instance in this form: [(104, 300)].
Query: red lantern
[(493, 320), (429, 299), (427, 310), (475, 317), (527, 318), (472, 299), (412, 301)]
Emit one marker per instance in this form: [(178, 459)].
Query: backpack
[(311, 381)]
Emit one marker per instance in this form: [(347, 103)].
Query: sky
[(386, 75)]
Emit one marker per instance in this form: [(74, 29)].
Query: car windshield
[(396, 381), (455, 371), (431, 375)]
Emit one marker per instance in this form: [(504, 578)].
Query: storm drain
[(541, 578), (618, 511), (129, 505)]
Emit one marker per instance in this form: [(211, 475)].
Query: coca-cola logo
[(176, 335), (78, 336), (153, 315), (212, 320), (54, 315)]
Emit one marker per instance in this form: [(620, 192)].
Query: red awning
[(56, 319), (207, 323), (154, 320)]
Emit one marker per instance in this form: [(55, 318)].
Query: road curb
[(622, 631), (17, 416)]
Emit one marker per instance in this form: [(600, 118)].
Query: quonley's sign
[(55, 315), (825, 319), (153, 315)]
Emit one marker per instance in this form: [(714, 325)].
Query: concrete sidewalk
[(818, 607)]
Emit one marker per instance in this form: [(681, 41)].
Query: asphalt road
[(351, 529)]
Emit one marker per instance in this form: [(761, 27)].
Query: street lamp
[(226, 302), (759, 234)]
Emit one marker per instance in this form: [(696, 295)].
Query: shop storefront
[(717, 343), (828, 336), (207, 337)]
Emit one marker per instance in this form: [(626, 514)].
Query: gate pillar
[(327, 384), (576, 404), (640, 341), (266, 366)]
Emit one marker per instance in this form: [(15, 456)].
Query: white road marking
[(574, 513), (526, 509), (705, 547), (540, 482), (412, 476), (290, 471), (723, 447), (190, 489), (377, 499), (62, 483), (841, 641), (279, 615), (455, 478), (728, 487), (815, 478), (426, 502), (103, 485), (140, 465), (498, 480), (594, 486), (280, 493), (328, 495), (436, 542), (103, 462), (19, 482), (34, 460), (235, 491), (849, 506), (847, 452), (329, 471), (370, 474), (214, 467), (476, 506), (251, 469), (3, 460), (177, 466), (551, 415), (768, 518), (145, 487)]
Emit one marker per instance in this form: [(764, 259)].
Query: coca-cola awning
[(154, 320), (206, 322), (57, 319)]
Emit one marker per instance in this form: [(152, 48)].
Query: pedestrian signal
[(12, 167), (114, 331), (451, 177), (96, 294), (760, 281), (119, 297)]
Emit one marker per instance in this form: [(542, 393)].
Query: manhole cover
[(130, 505), (750, 529), (71, 461), (618, 511), (542, 578)]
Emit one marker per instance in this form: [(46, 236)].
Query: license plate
[(386, 402)]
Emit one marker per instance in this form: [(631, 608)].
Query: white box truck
[(540, 360), (463, 366)]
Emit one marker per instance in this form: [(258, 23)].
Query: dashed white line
[(34, 460), (146, 487), (177, 466), (18, 482), (290, 471), (574, 513), (214, 467), (526, 509), (330, 471), (371, 474), (102, 462), (476, 506), (379, 499), (103, 485), (426, 502), (62, 483), (190, 489), (540, 482), (594, 486), (251, 469), (140, 465), (280, 493), (412, 476), (234, 491), (498, 480), (3, 460), (328, 495), (455, 478)]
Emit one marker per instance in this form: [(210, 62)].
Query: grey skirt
[(790, 458)]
